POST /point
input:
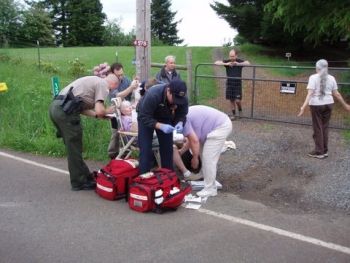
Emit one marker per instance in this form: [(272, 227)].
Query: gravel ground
[(270, 165)]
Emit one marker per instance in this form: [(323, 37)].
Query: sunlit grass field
[(24, 120)]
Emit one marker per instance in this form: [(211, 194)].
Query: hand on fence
[(166, 128), (179, 127)]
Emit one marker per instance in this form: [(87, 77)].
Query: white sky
[(200, 25)]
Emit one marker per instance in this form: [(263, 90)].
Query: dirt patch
[(271, 166)]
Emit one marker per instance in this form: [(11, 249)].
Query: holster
[(71, 103)]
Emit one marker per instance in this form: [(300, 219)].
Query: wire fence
[(272, 93)]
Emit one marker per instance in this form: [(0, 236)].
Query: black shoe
[(89, 185)]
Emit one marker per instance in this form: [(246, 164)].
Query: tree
[(37, 25), (85, 23), (321, 20), (58, 12), (296, 23), (114, 36), (76, 22), (162, 27), (10, 21), (243, 15)]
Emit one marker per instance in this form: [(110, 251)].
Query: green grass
[(24, 121)]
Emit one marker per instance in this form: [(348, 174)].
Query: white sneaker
[(207, 192)]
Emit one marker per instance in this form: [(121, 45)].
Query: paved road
[(41, 220)]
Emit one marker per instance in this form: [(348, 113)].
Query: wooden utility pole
[(143, 39)]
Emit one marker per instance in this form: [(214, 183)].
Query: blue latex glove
[(179, 127), (166, 128)]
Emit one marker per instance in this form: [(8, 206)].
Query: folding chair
[(128, 139)]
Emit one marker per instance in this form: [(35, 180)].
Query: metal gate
[(272, 93)]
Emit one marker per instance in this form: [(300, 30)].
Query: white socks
[(187, 173)]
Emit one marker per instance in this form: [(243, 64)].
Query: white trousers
[(211, 151)]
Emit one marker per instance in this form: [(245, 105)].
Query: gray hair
[(322, 70), (169, 57)]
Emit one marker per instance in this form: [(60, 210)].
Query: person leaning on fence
[(321, 88), (162, 107), (168, 71), (86, 96), (233, 67)]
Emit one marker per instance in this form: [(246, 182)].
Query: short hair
[(112, 78), (169, 57), (116, 66)]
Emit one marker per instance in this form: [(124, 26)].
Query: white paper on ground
[(192, 198), (192, 205)]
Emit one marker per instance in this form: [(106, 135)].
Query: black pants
[(320, 123), (145, 138)]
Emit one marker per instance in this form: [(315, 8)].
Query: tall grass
[(24, 120)]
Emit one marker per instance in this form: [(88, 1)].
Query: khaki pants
[(211, 151)]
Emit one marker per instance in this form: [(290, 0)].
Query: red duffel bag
[(157, 191), (113, 180)]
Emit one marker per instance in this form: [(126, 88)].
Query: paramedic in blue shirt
[(205, 138), (163, 109)]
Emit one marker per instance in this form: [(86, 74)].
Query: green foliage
[(162, 25), (4, 57), (48, 67), (77, 68), (284, 23), (239, 14), (85, 23), (76, 22), (10, 21), (320, 20), (37, 26), (114, 35)]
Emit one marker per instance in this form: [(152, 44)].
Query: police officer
[(163, 108), (86, 96)]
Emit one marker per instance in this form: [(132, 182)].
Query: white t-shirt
[(314, 84)]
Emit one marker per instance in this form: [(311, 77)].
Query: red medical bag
[(157, 191), (112, 181)]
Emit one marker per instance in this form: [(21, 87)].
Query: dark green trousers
[(70, 129)]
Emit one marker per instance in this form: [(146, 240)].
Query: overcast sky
[(200, 26)]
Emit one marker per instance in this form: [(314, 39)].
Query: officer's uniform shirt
[(91, 89)]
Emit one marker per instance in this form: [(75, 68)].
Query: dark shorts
[(234, 91)]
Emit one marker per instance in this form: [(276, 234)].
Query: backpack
[(113, 180), (157, 191)]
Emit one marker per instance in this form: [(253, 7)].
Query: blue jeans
[(145, 137)]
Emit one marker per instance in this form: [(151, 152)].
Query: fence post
[(189, 73), (253, 94), (38, 44)]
